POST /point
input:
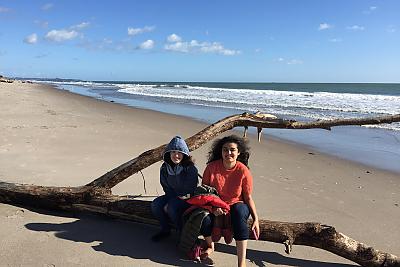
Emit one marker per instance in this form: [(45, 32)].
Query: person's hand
[(255, 227), (218, 212)]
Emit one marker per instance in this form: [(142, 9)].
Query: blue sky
[(233, 41)]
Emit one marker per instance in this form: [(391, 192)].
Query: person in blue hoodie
[(178, 177)]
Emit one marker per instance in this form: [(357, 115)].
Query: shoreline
[(53, 137), (371, 147)]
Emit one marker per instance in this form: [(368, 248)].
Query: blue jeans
[(240, 212), (176, 207)]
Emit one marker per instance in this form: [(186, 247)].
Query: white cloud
[(47, 6), (324, 26), (355, 28), (4, 9), (174, 38), (195, 46), (217, 48), (80, 26), (149, 44), (182, 47), (31, 39), (67, 34), (136, 31), (61, 35)]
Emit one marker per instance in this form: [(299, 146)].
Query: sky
[(214, 41)]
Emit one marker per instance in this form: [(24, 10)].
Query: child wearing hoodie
[(178, 177)]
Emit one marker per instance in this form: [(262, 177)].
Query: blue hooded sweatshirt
[(178, 180)]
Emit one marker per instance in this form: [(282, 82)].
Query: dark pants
[(240, 212), (175, 209)]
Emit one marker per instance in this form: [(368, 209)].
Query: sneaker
[(207, 261), (160, 236)]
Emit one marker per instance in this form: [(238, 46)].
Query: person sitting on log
[(178, 177), (228, 173)]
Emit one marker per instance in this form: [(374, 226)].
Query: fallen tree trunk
[(286, 233), (96, 196)]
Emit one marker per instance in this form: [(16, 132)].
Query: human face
[(230, 153), (176, 156)]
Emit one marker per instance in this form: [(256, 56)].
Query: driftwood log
[(96, 196)]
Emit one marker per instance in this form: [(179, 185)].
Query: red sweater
[(231, 184)]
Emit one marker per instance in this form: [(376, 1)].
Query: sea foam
[(311, 105)]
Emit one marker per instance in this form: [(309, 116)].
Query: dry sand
[(52, 137)]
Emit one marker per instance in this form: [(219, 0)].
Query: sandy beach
[(53, 137)]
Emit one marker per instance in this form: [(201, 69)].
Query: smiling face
[(230, 154), (176, 156)]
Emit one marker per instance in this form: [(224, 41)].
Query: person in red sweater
[(227, 172)]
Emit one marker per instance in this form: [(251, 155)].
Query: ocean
[(375, 145)]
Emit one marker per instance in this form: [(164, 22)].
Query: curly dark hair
[(186, 161), (215, 152)]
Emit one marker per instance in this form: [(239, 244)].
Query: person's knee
[(157, 205), (207, 226), (176, 207), (208, 221)]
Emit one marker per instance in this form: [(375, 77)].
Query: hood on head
[(177, 144)]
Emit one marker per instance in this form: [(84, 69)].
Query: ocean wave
[(261, 99)]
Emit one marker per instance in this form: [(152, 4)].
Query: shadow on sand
[(122, 238)]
